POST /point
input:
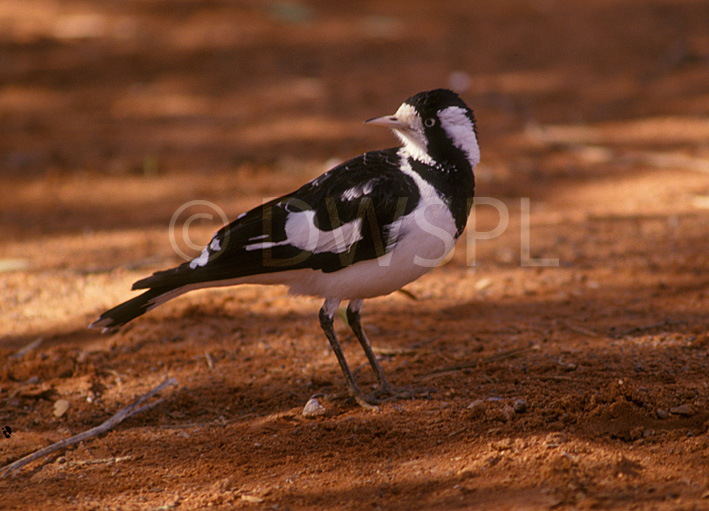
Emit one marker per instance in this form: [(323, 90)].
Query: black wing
[(344, 216)]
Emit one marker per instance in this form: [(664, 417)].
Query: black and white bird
[(365, 228)]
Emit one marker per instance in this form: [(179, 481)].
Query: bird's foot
[(383, 394), (366, 403)]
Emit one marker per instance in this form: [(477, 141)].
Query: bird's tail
[(131, 309)]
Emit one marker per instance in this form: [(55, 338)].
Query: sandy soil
[(565, 344)]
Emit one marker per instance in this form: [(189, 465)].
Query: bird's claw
[(365, 403)]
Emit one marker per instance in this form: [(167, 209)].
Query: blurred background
[(132, 86)]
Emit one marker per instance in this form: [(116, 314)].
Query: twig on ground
[(209, 424), (637, 329), (510, 354), (100, 461), (471, 365), (116, 419), (27, 348), (388, 351), (210, 361), (580, 329)]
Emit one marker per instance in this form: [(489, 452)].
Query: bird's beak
[(388, 121)]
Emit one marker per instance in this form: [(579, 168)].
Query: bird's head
[(435, 126)]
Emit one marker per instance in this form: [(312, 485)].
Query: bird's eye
[(430, 122)]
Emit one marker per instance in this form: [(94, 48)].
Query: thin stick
[(101, 461), (210, 361), (27, 348), (119, 417), (638, 329), (580, 329), (471, 365)]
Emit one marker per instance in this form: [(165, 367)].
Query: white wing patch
[(302, 233), (214, 246), (260, 237), (358, 191), (201, 260)]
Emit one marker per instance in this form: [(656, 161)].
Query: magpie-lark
[(363, 229)]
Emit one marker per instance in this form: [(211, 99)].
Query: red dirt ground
[(593, 120)]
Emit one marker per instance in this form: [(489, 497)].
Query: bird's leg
[(385, 388), (353, 318), (326, 315)]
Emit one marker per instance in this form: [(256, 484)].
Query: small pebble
[(661, 414), (313, 408), (252, 498), (520, 405), (60, 407), (684, 410), (475, 404)]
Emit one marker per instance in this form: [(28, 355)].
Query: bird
[(365, 228)]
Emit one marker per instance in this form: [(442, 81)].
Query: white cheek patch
[(461, 131), (302, 233), (413, 138)]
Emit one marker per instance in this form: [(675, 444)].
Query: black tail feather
[(131, 309)]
